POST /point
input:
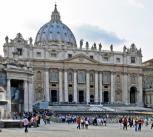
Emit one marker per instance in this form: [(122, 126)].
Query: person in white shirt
[(25, 123)]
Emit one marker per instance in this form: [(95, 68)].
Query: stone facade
[(56, 70), (148, 83)]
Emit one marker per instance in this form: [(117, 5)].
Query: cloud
[(136, 3), (97, 34)]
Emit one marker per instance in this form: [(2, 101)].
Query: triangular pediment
[(81, 58)]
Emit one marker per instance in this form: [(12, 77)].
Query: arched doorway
[(133, 92), (91, 98), (53, 95), (81, 96), (70, 98), (106, 97)]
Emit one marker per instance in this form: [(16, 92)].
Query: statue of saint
[(94, 45), (111, 47), (19, 35), (87, 45), (81, 43), (6, 39), (140, 52), (124, 48), (30, 39), (100, 46)]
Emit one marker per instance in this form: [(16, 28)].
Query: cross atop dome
[(55, 15)]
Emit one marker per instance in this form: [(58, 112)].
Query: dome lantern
[(55, 15)]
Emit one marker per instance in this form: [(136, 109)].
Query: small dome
[(55, 31)]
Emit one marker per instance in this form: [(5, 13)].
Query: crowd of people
[(41, 118), (136, 122), (33, 119)]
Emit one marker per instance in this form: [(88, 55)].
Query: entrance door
[(53, 95), (70, 98), (133, 91), (106, 97), (81, 96), (91, 98)]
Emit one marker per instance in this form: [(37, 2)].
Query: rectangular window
[(69, 55), (54, 76), (133, 60), (106, 77), (53, 54), (38, 54), (91, 57), (91, 86), (19, 51), (81, 77), (105, 58), (105, 86), (53, 85), (70, 85), (118, 60)]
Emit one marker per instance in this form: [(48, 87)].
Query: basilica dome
[(55, 31)]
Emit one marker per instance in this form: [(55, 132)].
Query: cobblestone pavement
[(64, 130)]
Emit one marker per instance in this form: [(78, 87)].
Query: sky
[(117, 22)]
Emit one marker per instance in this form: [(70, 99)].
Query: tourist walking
[(86, 123), (152, 124), (25, 123), (78, 121), (139, 124), (125, 122), (136, 124)]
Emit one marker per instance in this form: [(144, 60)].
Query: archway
[(106, 97), (81, 96), (91, 98), (53, 95), (133, 92), (70, 98)]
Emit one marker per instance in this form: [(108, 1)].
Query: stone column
[(125, 89), (30, 96), (140, 94), (26, 96), (96, 87), (148, 99), (46, 85), (75, 87), (8, 96), (112, 87), (101, 87), (152, 100), (60, 86), (65, 87), (87, 88)]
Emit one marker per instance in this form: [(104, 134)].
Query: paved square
[(65, 130)]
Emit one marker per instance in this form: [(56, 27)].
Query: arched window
[(91, 98), (38, 75), (70, 98), (70, 77), (91, 77), (81, 77), (54, 76), (118, 78)]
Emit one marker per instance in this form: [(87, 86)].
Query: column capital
[(87, 71), (60, 70), (46, 69), (8, 79), (65, 70)]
